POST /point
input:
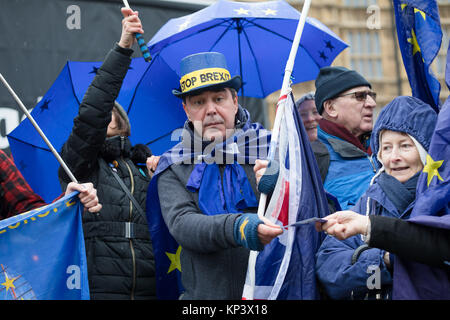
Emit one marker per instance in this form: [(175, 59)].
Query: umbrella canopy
[(255, 38), (153, 111)]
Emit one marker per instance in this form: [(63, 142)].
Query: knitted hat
[(332, 81), (205, 70)]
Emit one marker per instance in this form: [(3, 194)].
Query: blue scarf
[(233, 193), (400, 194)]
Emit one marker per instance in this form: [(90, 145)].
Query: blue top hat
[(202, 71)]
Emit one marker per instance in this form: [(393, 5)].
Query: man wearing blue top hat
[(206, 185)]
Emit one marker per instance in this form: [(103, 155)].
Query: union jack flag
[(285, 269)]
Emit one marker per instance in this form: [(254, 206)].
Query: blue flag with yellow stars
[(414, 280), (42, 253), (419, 36), (433, 187)]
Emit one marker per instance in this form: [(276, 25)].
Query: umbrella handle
[(144, 50), (140, 40)]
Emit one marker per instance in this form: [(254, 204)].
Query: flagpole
[(36, 126), (284, 90), (276, 128)]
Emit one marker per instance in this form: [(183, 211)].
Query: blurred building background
[(39, 36), (368, 26)]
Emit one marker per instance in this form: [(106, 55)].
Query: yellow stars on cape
[(9, 283), (174, 260), (413, 41), (242, 227), (431, 167)]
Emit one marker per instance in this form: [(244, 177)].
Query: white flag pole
[(285, 88), (36, 126)]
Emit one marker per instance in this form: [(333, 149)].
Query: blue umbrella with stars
[(255, 38), (154, 113)]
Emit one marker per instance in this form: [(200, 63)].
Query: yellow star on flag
[(431, 167), (413, 41), (9, 283), (174, 260), (242, 227), (241, 11), (423, 14)]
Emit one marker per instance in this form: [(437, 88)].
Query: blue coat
[(349, 172), (341, 279)]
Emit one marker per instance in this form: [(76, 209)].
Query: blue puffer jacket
[(349, 172), (342, 279)]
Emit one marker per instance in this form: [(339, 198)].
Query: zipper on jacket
[(372, 163), (133, 256)]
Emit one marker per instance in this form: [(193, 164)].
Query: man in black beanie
[(346, 102)]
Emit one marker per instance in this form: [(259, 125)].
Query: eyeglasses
[(361, 95)]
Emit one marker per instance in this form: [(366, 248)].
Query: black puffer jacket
[(118, 246)]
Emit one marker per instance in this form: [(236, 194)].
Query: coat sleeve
[(191, 228), (81, 150), (411, 241)]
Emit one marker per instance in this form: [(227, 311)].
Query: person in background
[(118, 246), (400, 140), (310, 116), (346, 102), (306, 107)]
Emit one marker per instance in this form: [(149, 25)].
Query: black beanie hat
[(331, 81)]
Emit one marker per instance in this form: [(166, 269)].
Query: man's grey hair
[(308, 96)]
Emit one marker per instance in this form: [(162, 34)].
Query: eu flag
[(433, 187), (432, 208), (419, 36), (42, 254)]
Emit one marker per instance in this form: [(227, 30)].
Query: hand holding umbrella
[(133, 27)]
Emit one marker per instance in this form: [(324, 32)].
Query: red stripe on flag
[(283, 204), (284, 212)]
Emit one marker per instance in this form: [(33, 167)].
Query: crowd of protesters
[(210, 208)]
